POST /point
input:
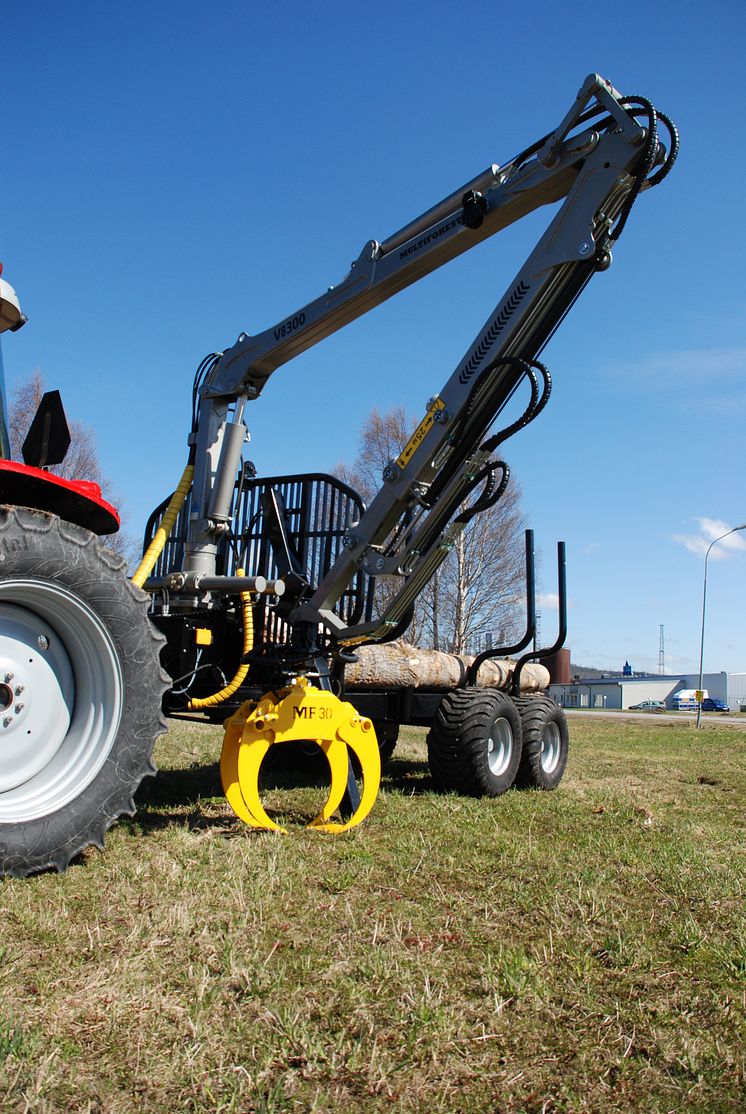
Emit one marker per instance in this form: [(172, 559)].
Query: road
[(713, 719)]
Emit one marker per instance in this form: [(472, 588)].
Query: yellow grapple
[(299, 713)]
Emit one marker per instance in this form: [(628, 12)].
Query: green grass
[(583, 950)]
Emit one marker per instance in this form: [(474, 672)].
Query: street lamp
[(704, 602)]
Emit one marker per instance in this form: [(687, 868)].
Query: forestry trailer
[(253, 593)]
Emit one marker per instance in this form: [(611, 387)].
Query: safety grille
[(318, 511)]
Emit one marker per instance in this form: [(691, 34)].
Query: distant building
[(737, 691), (622, 692)]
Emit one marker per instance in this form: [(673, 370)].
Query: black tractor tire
[(546, 742), (474, 744), (80, 691)]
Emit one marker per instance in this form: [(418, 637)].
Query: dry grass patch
[(577, 951)]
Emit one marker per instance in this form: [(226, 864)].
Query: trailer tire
[(387, 734), (80, 691), (546, 742), (474, 744)]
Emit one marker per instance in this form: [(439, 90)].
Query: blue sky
[(173, 174)]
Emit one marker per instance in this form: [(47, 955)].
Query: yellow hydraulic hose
[(170, 515), (147, 565), (248, 644)]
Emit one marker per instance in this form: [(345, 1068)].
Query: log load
[(401, 665)]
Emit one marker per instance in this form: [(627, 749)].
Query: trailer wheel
[(546, 742), (80, 691), (474, 745), (387, 734)]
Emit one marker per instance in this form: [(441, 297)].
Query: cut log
[(400, 665)]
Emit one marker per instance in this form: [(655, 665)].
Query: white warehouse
[(622, 692)]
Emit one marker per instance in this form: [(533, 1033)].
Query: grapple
[(299, 713)]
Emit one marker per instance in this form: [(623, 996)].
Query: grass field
[(583, 950)]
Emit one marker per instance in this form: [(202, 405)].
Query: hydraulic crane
[(276, 575)]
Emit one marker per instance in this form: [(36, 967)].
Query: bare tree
[(381, 440), (481, 586), (81, 461), (477, 593)]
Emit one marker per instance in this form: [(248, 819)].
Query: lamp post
[(704, 603)]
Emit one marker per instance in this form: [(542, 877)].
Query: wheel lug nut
[(19, 689), (8, 678), (7, 721), (19, 707)]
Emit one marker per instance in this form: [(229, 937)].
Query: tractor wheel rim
[(499, 747), (551, 748), (61, 697)]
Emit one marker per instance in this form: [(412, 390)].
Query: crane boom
[(605, 150)]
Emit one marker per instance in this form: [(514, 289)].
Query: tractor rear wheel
[(546, 742), (80, 691), (474, 744)]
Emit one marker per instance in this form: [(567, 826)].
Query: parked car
[(649, 706), (710, 704)]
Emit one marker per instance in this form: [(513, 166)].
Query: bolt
[(391, 471), (379, 563), (19, 707), (8, 678), (7, 721), (19, 689), (585, 248), (42, 642), (440, 417)]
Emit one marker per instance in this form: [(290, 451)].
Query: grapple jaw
[(299, 713)]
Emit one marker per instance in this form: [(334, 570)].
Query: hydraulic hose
[(195, 704), (170, 515), (147, 565)]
